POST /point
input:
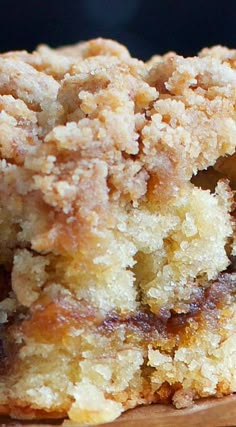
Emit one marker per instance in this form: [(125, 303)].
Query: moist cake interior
[(117, 230)]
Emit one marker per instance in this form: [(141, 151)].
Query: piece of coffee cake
[(117, 230)]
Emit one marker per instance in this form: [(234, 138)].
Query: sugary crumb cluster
[(117, 230)]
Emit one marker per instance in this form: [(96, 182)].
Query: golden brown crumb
[(117, 229)]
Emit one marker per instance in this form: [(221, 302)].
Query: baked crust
[(117, 230)]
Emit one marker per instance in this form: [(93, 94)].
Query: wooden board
[(205, 413)]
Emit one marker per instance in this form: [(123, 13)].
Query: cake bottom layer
[(63, 359)]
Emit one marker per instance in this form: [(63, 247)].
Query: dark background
[(145, 26)]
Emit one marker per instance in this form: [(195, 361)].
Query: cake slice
[(117, 230)]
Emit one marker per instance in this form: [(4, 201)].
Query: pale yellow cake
[(117, 230)]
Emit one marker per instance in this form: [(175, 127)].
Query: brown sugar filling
[(51, 320)]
